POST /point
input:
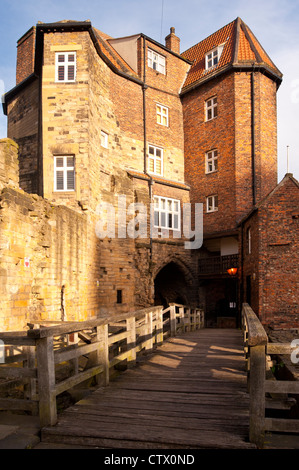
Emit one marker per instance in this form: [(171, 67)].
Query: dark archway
[(171, 286)]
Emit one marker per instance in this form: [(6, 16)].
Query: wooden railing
[(258, 351), (35, 358)]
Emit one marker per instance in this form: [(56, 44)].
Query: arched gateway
[(173, 283)]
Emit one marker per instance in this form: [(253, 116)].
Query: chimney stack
[(26, 54), (172, 42)]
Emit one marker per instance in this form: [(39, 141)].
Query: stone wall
[(23, 129), (9, 165), (47, 256)]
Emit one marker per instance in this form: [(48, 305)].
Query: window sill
[(212, 119)]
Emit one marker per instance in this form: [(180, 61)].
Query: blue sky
[(274, 22)]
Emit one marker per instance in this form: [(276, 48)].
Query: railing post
[(102, 354), (187, 319), (172, 320), (30, 387), (149, 331), (257, 394), (131, 340), (159, 327), (46, 381)]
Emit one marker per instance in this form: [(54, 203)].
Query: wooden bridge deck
[(190, 393)]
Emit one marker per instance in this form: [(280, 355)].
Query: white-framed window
[(162, 115), (211, 108), (65, 67), (167, 213), (156, 61), (212, 203), (64, 173), (213, 57), (104, 139), (212, 161), (155, 160)]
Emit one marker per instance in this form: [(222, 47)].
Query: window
[(213, 57), (64, 173), (162, 115), (211, 108), (166, 213), (119, 296), (211, 161), (155, 160), (156, 61), (212, 203), (104, 139), (248, 237), (65, 67)]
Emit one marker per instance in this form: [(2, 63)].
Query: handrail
[(256, 332), (257, 351), (104, 343)]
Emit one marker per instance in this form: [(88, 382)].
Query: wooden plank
[(200, 409), (46, 381), (73, 352), (16, 358), (118, 337), (256, 332), (279, 348), (282, 425), (192, 424), (17, 372), (76, 379), (18, 404), (16, 338), (281, 386)]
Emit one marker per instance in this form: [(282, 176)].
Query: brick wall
[(231, 134), (273, 263), (200, 137), (25, 55)]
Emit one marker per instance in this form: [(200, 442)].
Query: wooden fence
[(258, 351), (34, 359)]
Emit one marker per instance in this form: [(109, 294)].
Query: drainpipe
[(253, 138), (151, 182), (241, 276)]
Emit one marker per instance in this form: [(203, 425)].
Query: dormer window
[(213, 57), (156, 61)]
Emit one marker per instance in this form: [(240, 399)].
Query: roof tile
[(240, 46)]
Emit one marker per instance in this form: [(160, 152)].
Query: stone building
[(128, 130)]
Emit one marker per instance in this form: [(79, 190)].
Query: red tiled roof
[(240, 47)]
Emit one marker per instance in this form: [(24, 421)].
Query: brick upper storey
[(240, 49)]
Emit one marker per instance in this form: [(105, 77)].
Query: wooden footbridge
[(184, 386)]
